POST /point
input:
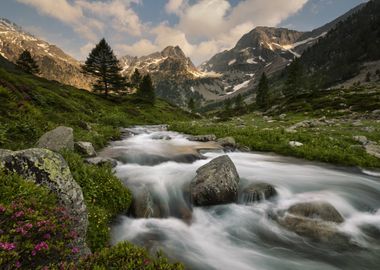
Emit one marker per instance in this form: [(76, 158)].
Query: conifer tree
[(104, 66), (262, 92), (294, 81), (27, 63), (239, 101), (191, 104), (146, 89), (136, 78)]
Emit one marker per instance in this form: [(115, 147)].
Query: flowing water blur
[(238, 236)]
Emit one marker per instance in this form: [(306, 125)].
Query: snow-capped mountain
[(175, 77), (53, 62)]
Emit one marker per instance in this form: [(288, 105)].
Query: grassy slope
[(31, 106), (332, 143)]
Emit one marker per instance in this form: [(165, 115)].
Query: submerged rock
[(85, 148), (143, 205), (202, 138), (215, 183), (49, 169), (315, 220), (257, 192), (57, 139), (227, 142)]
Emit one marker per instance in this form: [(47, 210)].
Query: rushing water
[(238, 236)]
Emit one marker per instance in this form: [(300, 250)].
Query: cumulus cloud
[(204, 27)]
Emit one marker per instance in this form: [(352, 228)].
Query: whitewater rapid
[(239, 236)]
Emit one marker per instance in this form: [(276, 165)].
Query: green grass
[(331, 144), (31, 106)]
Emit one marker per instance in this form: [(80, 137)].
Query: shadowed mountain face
[(53, 62)]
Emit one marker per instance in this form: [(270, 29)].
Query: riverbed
[(243, 235)]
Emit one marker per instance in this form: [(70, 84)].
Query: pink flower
[(146, 261), (40, 246), (7, 246), (47, 236), (2, 208), (19, 214), (75, 250), (18, 264)]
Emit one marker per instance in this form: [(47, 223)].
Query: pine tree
[(294, 81), (262, 92), (239, 101), (136, 78), (191, 104), (227, 105), (27, 63), (146, 89), (103, 64)]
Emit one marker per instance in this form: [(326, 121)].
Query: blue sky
[(138, 27)]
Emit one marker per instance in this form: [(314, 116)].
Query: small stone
[(101, 161), (295, 144), (361, 139), (85, 148)]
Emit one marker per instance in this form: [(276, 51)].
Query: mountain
[(175, 77), (350, 51), (266, 49), (53, 62)]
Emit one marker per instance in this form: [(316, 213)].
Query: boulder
[(101, 161), (360, 139), (257, 192), (215, 183), (49, 169), (315, 220), (227, 142), (57, 139), (85, 148), (202, 138), (372, 149), (143, 205), (295, 144)]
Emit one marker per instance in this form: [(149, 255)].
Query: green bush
[(125, 256), (34, 231), (104, 194)]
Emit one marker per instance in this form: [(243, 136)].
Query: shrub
[(125, 256), (34, 231)]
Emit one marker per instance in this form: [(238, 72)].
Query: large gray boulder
[(315, 220), (57, 139), (257, 192), (49, 169), (85, 148), (215, 183)]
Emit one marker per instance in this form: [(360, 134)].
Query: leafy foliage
[(34, 231), (26, 63), (104, 66), (125, 256)]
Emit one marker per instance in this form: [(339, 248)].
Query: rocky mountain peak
[(175, 52)]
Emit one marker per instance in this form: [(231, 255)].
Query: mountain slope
[(53, 62), (175, 77), (341, 54)]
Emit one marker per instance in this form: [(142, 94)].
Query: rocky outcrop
[(257, 192), (215, 183), (85, 148), (57, 139), (315, 220), (49, 169), (373, 149)]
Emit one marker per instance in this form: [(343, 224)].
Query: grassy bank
[(30, 106), (331, 143)]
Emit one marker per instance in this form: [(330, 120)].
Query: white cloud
[(205, 27)]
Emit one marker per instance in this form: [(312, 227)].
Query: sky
[(201, 28)]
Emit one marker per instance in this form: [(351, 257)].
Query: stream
[(242, 236)]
